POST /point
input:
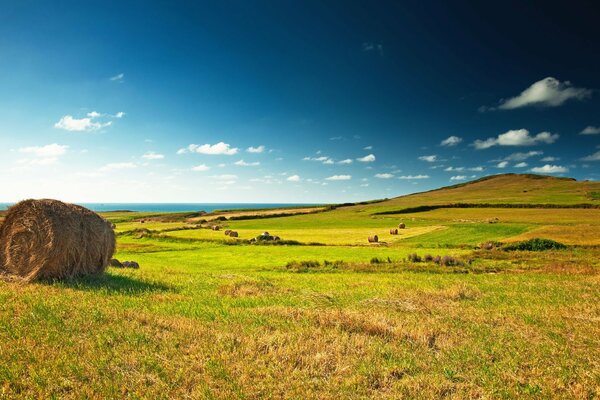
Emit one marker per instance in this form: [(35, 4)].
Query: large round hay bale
[(394, 231), (373, 239), (402, 225), (49, 239), (233, 234)]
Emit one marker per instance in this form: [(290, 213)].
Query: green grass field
[(212, 317)]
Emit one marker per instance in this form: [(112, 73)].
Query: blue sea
[(177, 207)]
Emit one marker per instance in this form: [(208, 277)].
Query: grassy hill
[(502, 189)]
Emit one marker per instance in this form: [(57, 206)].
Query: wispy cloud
[(413, 177), (384, 176), (431, 158), (293, 178), (242, 163), (370, 46), (518, 137), (502, 164), (451, 141), (367, 158), (521, 165), (550, 169), (368, 148), (339, 178), (85, 124), (458, 178), (200, 168), (118, 166), (592, 157), (220, 148), (150, 155), (523, 156), (548, 92), (49, 150), (590, 130), (256, 150), (118, 78)]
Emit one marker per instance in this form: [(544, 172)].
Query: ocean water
[(178, 207)]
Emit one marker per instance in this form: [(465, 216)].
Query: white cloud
[(478, 169), (49, 150), (412, 177), (592, 157), (590, 130), (521, 165), (214, 149), (367, 158), (242, 163), (346, 161), (451, 141), (226, 179), (454, 169), (523, 156), (339, 178), (550, 159), (293, 178), (550, 169), (150, 155), (368, 148), (201, 168), (458, 178), (69, 123), (548, 92), (518, 137), (94, 114), (384, 176), (118, 77), (322, 159), (120, 114), (431, 158), (502, 164), (369, 46), (118, 166), (256, 150)]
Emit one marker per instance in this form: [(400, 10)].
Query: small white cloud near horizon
[(256, 150), (521, 165), (550, 159), (590, 130), (242, 163), (118, 78), (517, 137), (339, 178), (150, 155), (548, 92), (346, 161), (293, 178), (431, 158), (550, 169), (200, 168), (458, 178), (451, 141), (367, 158), (458, 169), (220, 148), (412, 177), (384, 176), (502, 164)]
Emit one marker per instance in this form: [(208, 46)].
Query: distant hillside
[(502, 189)]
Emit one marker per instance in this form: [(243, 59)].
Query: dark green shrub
[(536, 244)]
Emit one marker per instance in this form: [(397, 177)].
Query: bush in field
[(536, 244), (428, 258), (302, 266), (376, 260), (414, 258), (449, 261)]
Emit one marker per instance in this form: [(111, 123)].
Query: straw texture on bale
[(49, 239), (373, 239)]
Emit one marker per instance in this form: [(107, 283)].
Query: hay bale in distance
[(394, 231), (373, 239), (227, 232), (49, 239), (216, 228), (402, 225), (131, 264), (233, 234), (115, 263)]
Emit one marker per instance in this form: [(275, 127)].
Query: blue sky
[(291, 101)]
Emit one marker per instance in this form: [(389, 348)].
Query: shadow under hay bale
[(49, 239)]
